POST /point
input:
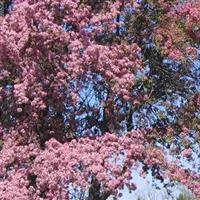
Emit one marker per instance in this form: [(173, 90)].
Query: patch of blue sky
[(147, 188), (87, 94)]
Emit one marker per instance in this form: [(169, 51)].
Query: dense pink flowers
[(78, 161), (187, 178), (69, 85), (109, 159), (186, 152)]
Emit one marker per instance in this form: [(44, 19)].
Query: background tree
[(91, 90)]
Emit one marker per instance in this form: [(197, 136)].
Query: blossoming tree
[(93, 89)]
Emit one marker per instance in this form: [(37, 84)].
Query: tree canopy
[(93, 89)]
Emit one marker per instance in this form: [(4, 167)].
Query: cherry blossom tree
[(91, 90)]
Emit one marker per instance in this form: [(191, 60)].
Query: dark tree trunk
[(95, 193)]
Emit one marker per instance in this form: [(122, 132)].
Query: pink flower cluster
[(115, 64), (188, 178), (108, 158), (186, 152), (60, 169), (183, 19)]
